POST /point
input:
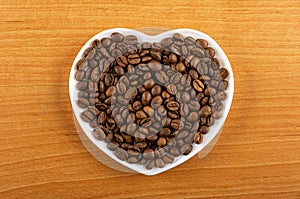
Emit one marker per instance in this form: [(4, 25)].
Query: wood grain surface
[(257, 155)]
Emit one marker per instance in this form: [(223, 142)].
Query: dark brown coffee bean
[(198, 52), (198, 138), (145, 122), (168, 158), (162, 77), (108, 79), (223, 85), (198, 85), (83, 103), (159, 163), (187, 150), (204, 129), (223, 73), (83, 94), (122, 61), (80, 75), (146, 97), (113, 146), (166, 42), (211, 51), (87, 116), (121, 153), (130, 39), (99, 133), (110, 124), (165, 132), (117, 37), (189, 41), (193, 117), (118, 138), (82, 85), (201, 43), (174, 151), (173, 106)]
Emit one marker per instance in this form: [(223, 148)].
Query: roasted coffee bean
[(87, 116), (223, 73), (117, 37), (121, 153), (83, 103), (130, 39), (172, 58), (166, 42), (99, 133), (174, 151), (149, 84), (204, 129), (137, 105), (173, 106), (159, 163), (156, 55), (161, 142), (187, 150), (82, 85), (189, 41), (134, 59), (162, 77), (198, 85), (171, 88), (198, 138), (211, 51), (205, 111), (156, 90), (175, 124), (157, 100), (201, 43), (146, 97)]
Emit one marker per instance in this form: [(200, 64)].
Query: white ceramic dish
[(213, 131)]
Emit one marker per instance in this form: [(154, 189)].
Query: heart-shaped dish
[(207, 138)]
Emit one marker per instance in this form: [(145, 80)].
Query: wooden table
[(257, 155)]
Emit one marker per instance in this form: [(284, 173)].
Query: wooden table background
[(257, 155)]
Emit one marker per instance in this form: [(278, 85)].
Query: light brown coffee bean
[(201, 43), (198, 85), (205, 111), (173, 106)]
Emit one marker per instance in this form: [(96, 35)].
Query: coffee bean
[(146, 97), (205, 111), (109, 91), (149, 84), (148, 154), (162, 77), (211, 51), (198, 85), (117, 37), (201, 43), (171, 88), (173, 106), (223, 73), (204, 129), (87, 116), (137, 105), (82, 85), (175, 124), (161, 142), (174, 151), (189, 41), (140, 114), (157, 100), (99, 133), (130, 39), (173, 58), (166, 42), (83, 103), (121, 153), (187, 150), (159, 163), (198, 138), (134, 59)]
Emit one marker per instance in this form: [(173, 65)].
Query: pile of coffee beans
[(150, 101)]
